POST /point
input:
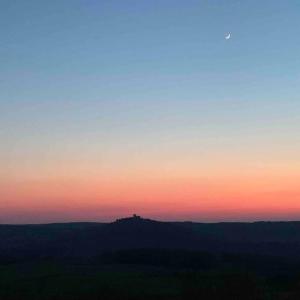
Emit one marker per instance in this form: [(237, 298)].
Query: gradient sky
[(109, 108)]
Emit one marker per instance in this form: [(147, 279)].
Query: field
[(60, 281)]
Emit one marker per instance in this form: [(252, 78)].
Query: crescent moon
[(228, 36)]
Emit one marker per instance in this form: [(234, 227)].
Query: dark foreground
[(61, 281), (143, 259)]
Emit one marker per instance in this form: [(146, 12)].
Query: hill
[(277, 239)]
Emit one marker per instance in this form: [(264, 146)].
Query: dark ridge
[(277, 239)]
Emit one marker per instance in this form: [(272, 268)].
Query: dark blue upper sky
[(68, 50)]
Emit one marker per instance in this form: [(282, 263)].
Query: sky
[(109, 108)]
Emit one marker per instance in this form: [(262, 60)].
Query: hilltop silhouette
[(136, 258), (280, 239)]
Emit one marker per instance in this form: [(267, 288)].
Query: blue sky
[(67, 50), (129, 59), (148, 53)]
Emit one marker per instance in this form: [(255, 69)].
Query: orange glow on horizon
[(210, 198)]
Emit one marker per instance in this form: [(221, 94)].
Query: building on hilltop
[(136, 216)]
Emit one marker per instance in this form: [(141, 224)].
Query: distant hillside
[(278, 239)]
